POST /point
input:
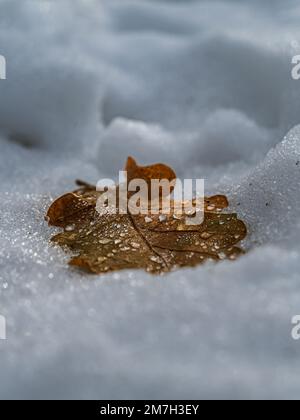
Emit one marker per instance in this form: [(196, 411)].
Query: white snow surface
[(204, 86)]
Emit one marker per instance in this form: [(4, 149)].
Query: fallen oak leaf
[(158, 243)]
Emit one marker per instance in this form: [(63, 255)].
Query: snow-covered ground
[(204, 86)]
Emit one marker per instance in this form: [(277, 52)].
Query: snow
[(204, 86)]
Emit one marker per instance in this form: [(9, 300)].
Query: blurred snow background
[(204, 86)]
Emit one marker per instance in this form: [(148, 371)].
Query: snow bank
[(204, 86), (269, 196)]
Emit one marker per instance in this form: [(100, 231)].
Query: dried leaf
[(158, 244)]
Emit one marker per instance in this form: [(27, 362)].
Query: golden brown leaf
[(158, 244), (148, 173), (159, 171)]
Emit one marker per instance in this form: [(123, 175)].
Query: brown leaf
[(159, 171), (158, 244)]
